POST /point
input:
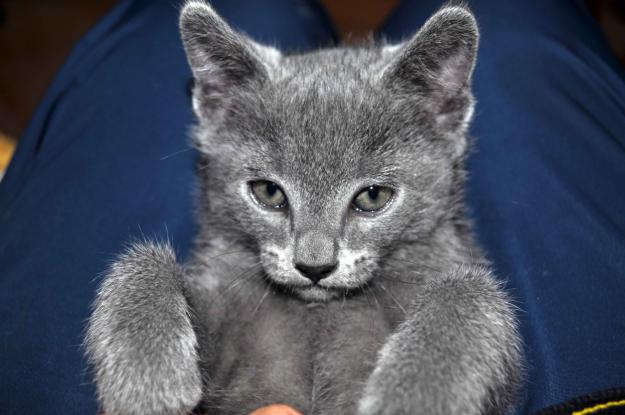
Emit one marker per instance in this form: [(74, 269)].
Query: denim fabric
[(547, 185), (104, 160)]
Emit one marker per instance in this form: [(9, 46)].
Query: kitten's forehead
[(335, 118), (325, 142), (326, 102), (327, 118), (336, 64)]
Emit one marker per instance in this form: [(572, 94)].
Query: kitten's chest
[(313, 357)]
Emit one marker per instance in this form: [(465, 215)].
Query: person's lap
[(547, 179), (106, 159)]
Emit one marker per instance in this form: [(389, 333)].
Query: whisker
[(395, 279), (390, 293), (375, 298), (250, 277), (175, 153), (241, 251), (262, 300), (246, 274), (366, 292), (416, 264)]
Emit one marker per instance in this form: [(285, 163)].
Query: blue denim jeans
[(547, 184), (106, 159)]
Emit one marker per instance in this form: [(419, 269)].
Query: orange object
[(7, 147), (277, 409)]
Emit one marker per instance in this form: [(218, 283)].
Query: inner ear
[(436, 64)]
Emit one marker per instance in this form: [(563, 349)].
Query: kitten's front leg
[(457, 353), (140, 338)]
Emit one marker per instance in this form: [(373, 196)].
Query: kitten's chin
[(304, 290), (308, 292), (316, 294)]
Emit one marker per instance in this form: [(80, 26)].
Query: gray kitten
[(334, 269)]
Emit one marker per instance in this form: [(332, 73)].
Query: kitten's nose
[(316, 273)]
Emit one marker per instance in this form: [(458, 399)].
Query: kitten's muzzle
[(316, 273), (316, 253)]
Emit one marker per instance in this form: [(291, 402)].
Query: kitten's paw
[(380, 398), (457, 354), (140, 339), (386, 397), (370, 405)]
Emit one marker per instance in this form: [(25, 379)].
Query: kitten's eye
[(268, 194), (372, 198)]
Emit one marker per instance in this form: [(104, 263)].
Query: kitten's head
[(322, 162)]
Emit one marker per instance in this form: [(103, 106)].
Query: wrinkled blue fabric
[(547, 185), (106, 159)]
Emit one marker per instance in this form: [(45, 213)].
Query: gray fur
[(140, 339), (412, 319)]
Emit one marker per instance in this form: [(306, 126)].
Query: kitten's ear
[(436, 65), (221, 58)]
